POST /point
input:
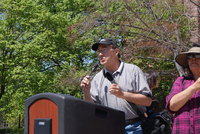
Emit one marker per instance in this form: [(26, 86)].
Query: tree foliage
[(34, 49), (45, 44), (150, 33)]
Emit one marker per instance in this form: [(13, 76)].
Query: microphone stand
[(110, 78)]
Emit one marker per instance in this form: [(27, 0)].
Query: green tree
[(150, 33), (45, 44), (34, 49)]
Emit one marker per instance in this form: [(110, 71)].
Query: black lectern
[(50, 113)]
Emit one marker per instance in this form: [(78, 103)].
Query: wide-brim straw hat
[(181, 58)]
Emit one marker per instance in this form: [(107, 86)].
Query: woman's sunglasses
[(189, 56)]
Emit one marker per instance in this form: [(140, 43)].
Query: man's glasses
[(102, 50), (189, 56)]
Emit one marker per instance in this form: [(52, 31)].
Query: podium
[(50, 113)]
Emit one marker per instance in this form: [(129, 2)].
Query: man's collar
[(119, 70)]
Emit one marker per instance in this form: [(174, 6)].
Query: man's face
[(106, 54)]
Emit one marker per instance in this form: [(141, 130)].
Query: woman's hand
[(196, 85)]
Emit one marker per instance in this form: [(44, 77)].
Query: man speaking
[(118, 85)]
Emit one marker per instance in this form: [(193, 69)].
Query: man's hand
[(131, 97), (116, 90), (85, 83)]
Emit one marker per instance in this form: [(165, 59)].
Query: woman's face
[(194, 62)]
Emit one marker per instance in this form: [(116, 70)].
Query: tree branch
[(147, 5)]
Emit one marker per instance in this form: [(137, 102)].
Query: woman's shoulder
[(182, 78), (188, 77)]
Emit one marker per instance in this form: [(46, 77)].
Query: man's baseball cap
[(106, 41)]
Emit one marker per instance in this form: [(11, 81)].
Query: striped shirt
[(187, 118), (130, 78)]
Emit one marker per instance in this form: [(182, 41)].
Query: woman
[(184, 98)]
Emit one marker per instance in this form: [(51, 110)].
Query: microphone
[(110, 78), (94, 68)]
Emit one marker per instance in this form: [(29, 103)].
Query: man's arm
[(87, 96), (135, 98)]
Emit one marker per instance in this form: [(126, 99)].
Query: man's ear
[(117, 51)]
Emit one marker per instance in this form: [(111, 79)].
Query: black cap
[(106, 41)]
